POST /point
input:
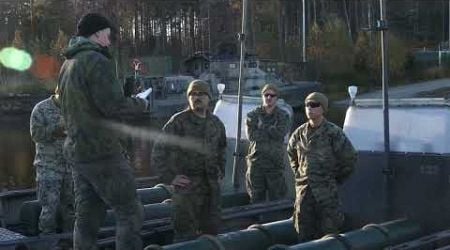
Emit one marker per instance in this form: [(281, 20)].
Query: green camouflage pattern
[(196, 213), (313, 220), (57, 200), (265, 158), (45, 120), (91, 97), (204, 166), (321, 158), (53, 172), (99, 184)]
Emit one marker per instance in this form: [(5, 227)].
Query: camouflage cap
[(271, 87), (198, 86), (320, 98)]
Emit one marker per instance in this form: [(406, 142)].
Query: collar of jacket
[(79, 43)]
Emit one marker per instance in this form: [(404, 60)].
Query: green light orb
[(15, 59)]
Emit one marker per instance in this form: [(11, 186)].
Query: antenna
[(237, 147)]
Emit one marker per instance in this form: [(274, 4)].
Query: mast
[(304, 31), (382, 26), (237, 147)]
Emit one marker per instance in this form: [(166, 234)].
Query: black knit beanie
[(91, 23)]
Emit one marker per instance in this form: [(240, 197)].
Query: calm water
[(17, 149), (17, 153)]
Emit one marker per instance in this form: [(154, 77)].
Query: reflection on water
[(16, 153), (17, 149)]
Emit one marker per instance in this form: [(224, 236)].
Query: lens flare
[(154, 135), (45, 67), (15, 59)]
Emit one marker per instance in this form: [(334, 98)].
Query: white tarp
[(420, 129)]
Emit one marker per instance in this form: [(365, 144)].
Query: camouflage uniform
[(265, 162), (53, 173), (92, 98), (196, 210), (321, 158)]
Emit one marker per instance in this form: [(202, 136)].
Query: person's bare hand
[(181, 181)]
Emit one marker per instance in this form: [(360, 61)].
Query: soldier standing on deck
[(266, 128), (53, 172), (322, 157), (195, 174), (91, 99)]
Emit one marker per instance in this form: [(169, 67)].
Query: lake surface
[(17, 149)]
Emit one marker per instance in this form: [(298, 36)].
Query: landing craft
[(406, 209), (226, 71), (20, 214), (169, 92), (418, 185)]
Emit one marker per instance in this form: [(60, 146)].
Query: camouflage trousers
[(313, 220), (261, 181), (55, 194), (99, 185), (195, 214)]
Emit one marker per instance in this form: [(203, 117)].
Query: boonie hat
[(198, 86)]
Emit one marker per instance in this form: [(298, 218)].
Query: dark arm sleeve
[(280, 129), (346, 156), (163, 155), (41, 130), (292, 151), (107, 92), (251, 126), (222, 150)]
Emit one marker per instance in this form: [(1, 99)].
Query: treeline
[(341, 36)]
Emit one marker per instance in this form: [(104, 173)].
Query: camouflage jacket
[(266, 133), (45, 120), (321, 158), (91, 99), (199, 151)]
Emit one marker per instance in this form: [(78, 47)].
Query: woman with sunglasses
[(321, 157), (266, 127)]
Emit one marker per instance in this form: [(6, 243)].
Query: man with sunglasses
[(266, 127), (92, 99), (190, 156), (322, 157)]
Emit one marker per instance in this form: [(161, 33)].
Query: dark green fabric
[(312, 220), (99, 184), (199, 155), (208, 133), (92, 97)]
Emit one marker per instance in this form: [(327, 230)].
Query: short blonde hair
[(271, 87)]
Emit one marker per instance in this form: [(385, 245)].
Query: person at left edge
[(53, 172), (92, 98)]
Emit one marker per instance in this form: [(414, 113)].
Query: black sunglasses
[(271, 95), (313, 104)]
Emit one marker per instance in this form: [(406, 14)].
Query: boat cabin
[(412, 179)]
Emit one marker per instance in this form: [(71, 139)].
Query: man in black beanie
[(91, 99), (91, 23)]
